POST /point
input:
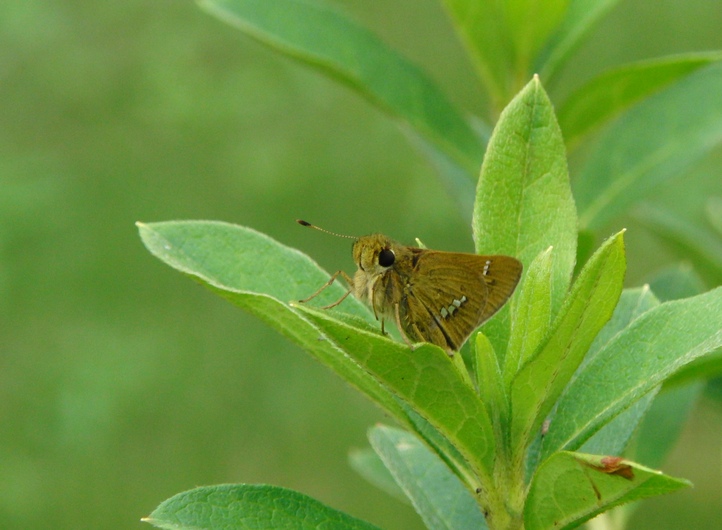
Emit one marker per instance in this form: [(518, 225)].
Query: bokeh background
[(122, 382)]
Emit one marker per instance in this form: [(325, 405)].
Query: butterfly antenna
[(306, 223)]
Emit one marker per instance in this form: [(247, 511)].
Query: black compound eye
[(386, 257)]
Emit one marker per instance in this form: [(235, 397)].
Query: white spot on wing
[(486, 267)]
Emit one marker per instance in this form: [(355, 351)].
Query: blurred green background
[(121, 382)]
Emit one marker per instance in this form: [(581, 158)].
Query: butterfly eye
[(386, 257)]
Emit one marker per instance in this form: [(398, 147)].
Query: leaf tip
[(619, 235), (535, 83)]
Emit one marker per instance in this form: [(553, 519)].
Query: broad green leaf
[(260, 275), (682, 281), (580, 18), (484, 30), (242, 259), (651, 143), (570, 488), (437, 494), (426, 379), (523, 200), (614, 437), (251, 507), (692, 241), (609, 94), (664, 420), (368, 464), (589, 306), (531, 314), (322, 37), (634, 362)]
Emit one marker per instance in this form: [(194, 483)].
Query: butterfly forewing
[(451, 294)]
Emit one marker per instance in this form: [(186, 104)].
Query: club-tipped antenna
[(306, 223)]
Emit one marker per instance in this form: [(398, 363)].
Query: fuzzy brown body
[(433, 296)]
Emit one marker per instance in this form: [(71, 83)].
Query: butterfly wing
[(449, 295)]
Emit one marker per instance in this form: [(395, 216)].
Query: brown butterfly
[(433, 296)]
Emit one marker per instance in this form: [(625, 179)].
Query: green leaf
[(368, 464), (322, 37), (580, 18), (531, 315), (248, 506), (672, 283), (651, 143), (634, 362), (437, 494), (489, 380), (570, 488), (426, 379), (589, 306), (613, 437), (664, 420), (238, 258), (523, 199), (608, 95), (259, 274)]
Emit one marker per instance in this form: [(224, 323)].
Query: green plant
[(562, 377)]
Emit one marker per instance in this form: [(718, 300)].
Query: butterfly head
[(374, 254)]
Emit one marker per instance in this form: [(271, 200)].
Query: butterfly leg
[(327, 284)]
